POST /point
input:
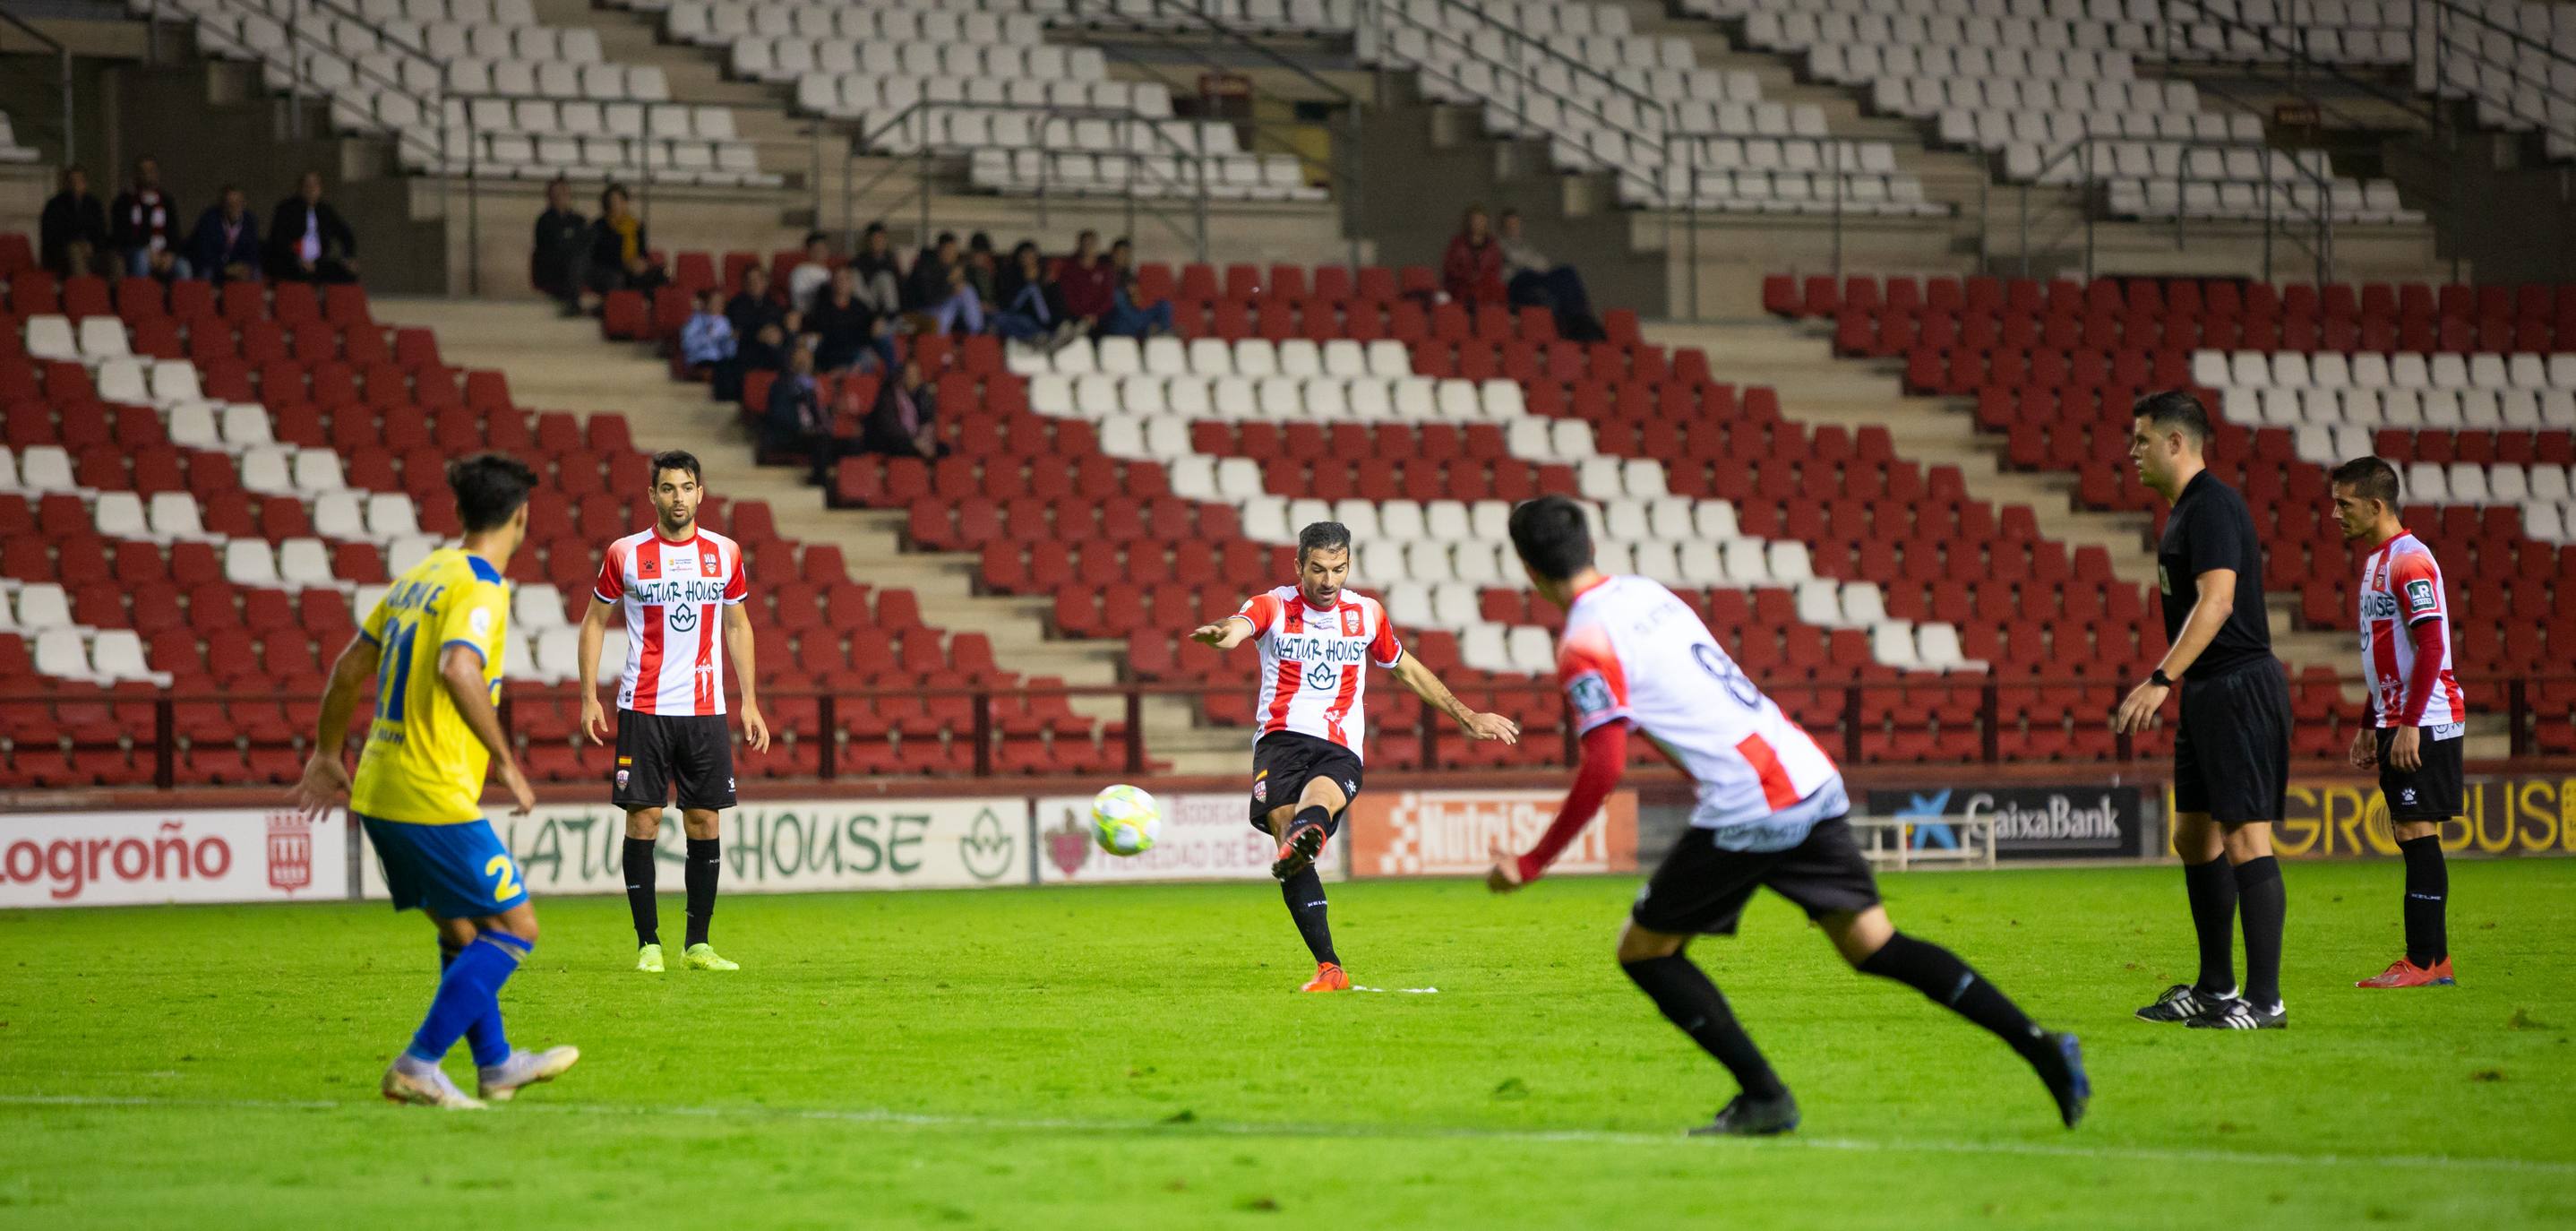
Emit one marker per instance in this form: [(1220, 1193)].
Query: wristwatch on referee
[(2158, 678)]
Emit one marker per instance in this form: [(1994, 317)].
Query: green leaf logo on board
[(986, 847)]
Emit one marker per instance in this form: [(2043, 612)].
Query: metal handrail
[(2081, 152), (1524, 81), (63, 76)]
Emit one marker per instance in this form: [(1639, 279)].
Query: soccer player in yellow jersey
[(433, 646)]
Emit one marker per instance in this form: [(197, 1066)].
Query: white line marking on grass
[(909, 1119)]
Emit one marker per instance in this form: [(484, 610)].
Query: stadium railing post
[(828, 724), (1135, 730), (1430, 737), (983, 735), (2518, 713), (1851, 722), (1989, 707)]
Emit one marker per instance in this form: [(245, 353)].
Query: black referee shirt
[(2211, 528)]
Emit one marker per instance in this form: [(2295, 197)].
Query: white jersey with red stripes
[(674, 592), (2401, 588), (1313, 662), (1635, 653)]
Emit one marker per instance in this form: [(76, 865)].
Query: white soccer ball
[(1126, 820)]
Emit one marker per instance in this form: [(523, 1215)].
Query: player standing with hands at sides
[(672, 581), (2416, 708), (1316, 638), (2232, 743), (1770, 813), (433, 646)]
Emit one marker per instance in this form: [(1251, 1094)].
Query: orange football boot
[(1328, 978), (2403, 973)]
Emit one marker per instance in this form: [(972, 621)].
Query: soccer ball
[(1126, 820)]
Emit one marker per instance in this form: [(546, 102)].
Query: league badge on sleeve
[(1590, 695), (2422, 597)]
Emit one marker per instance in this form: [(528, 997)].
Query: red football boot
[(1328, 978), (2403, 973)]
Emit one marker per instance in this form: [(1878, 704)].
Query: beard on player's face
[(679, 510)]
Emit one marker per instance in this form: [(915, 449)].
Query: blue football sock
[(469, 990), (489, 1042)]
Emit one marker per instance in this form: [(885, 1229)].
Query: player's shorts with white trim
[(451, 871), (656, 752), (2232, 744), (1285, 761), (1702, 887), (2433, 792)]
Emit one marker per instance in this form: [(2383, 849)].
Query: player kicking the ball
[(1770, 813), (433, 647), (1315, 639)]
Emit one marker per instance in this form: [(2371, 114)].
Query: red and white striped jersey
[(1633, 652), (674, 592), (2401, 587), (1311, 662)]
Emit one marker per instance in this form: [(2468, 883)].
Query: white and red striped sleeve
[(1261, 611), (738, 582), (1385, 649), (612, 574)]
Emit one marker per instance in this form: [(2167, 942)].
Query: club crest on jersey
[(621, 778), (2421, 597), (1261, 787), (1350, 622)]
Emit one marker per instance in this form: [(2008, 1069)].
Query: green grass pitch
[(1135, 1057)]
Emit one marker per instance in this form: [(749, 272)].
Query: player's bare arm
[(326, 777), (738, 643), (594, 633), (1410, 672), (1225, 634), (2214, 601), (460, 669)]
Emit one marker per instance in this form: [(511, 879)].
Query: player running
[(1315, 637), (2416, 709), (1771, 812), (433, 646), (671, 581)]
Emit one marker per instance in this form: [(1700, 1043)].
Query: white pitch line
[(906, 1119)]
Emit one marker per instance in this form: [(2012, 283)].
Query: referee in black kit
[(2232, 744)]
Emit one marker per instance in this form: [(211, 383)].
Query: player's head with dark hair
[(1323, 562), (1554, 541), (2167, 433), (492, 497), (2365, 498), (678, 486)]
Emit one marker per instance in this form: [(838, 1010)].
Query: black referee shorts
[(657, 752), (2232, 745), (1703, 887)]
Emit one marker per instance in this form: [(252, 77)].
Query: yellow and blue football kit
[(419, 784)]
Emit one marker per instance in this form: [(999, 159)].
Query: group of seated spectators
[(838, 314), (140, 235), (1483, 267)]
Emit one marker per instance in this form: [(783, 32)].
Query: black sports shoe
[(2062, 1067), (2181, 1003), (2239, 1014), (1298, 853), (1746, 1116)]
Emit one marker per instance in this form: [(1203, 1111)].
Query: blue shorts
[(451, 871)]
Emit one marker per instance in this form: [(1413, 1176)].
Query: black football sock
[(2428, 901), (2265, 904), (1683, 991), (705, 864), (2213, 917), (1304, 894), (639, 892), (1941, 976), (1316, 815)]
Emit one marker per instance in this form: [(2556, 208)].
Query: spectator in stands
[(796, 422), (621, 255), (562, 243), (1472, 270), (983, 271), (1127, 318), (1086, 282), (1531, 280), (1029, 308), (145, 221), (225, 245), (308, 240), (880, 276), (905, 420), (757, 317), (807, 281), (708, 345), (846, 333), (72, 234), (939, 290)]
